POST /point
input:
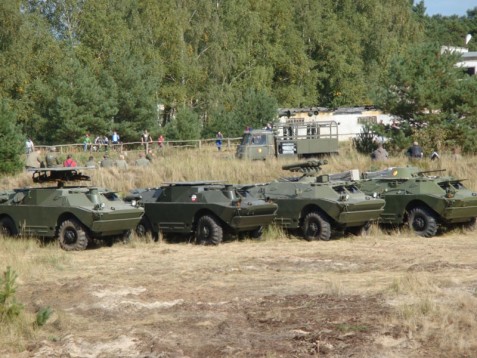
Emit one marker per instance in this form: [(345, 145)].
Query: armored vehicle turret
[(425, 201), (318, 203), (74, 214), (204, 209)]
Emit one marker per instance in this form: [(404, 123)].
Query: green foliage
[(185, 126), (365, 141), (9, 308), (72, 66), (12, 142), (431, 97), (42, 316), (255, 109)]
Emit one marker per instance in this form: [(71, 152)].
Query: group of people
[(34, 160), (414, 152), (100, 142), (121, 163)]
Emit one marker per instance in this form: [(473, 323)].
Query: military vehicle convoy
[(318, 204), (425, 202), (75, 215), (206, 210)]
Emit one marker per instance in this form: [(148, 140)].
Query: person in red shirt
[(69, 162)]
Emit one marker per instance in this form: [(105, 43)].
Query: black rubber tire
[(7, 227), (423, 222), (143, 228), (72, 236), (208, 231), (316, 227)]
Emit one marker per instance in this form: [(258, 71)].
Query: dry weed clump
[(447, 319)]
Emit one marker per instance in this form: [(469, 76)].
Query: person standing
[(160, 141), (146, 139), (115, 138), (218, 140), (30, 147), (86, 142)]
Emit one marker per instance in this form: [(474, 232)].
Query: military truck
[(317, 204), (287, 140), (421, 199), (205, 210), (76, 215)]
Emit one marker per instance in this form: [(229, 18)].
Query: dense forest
[(186, 68)]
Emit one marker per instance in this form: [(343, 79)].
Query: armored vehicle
[(208, 210), (318, 203), (75, 215), (425, 202)]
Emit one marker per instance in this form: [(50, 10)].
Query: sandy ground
[(269, 298)]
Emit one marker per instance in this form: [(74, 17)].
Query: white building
[(468, 59), (350, 119)]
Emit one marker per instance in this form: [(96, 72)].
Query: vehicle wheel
[(8, 227), (423, 222), (316, 227), (143, 228), (72, 236), (208, 231)]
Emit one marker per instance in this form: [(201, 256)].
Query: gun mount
[(310, 167), (59, 175)]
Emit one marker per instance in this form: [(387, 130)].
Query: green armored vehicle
[(207, 210), (75, 215), (425, 202), (318, 204)]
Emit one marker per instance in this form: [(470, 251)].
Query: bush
[(9, 308), (12, 142)]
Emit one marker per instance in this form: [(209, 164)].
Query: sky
[(448, 7)]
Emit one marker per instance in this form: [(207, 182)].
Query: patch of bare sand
[(243, 299)]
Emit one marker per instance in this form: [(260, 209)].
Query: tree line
[(189, 68)]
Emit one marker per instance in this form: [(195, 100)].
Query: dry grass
[(414, 296)]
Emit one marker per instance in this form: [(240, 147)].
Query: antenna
[(467, 38)]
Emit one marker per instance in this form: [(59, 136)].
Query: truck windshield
[(256, 139)]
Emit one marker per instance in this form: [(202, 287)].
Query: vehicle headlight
[(99, 206), (344, 197), (134, 202), (375, 195)]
